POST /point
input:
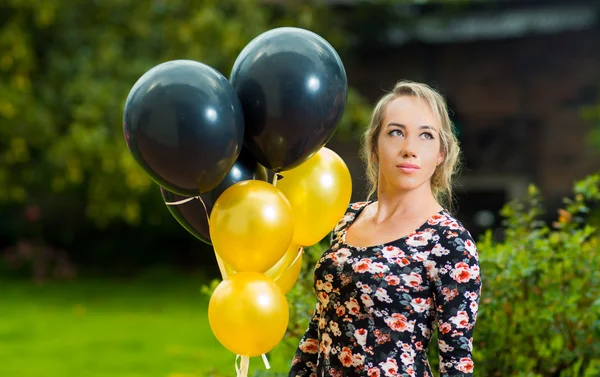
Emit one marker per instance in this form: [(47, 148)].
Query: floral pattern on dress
[(377, 306)]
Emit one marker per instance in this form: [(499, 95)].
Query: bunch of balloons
[(209, 143)]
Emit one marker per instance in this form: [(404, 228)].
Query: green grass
[(135, 328)]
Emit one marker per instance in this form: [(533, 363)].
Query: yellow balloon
[(289, 276), (228, 270), (284, 263), (251, 226), (285, 272), (319, 191), (248, 314)]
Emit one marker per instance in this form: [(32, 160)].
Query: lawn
[(140, 328)]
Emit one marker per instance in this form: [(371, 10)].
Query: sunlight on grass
[(116, 329)]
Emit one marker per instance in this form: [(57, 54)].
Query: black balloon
[(184, 125), (193, 216), (293, 89), (245, 168)]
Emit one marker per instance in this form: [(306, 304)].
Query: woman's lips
[(408, 168)]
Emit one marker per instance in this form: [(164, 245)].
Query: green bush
[(540, 309)]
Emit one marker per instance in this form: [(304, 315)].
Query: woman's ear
[(441, 157)]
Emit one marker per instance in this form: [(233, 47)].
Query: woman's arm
[(305, 359), (304, 363), (457, 287)]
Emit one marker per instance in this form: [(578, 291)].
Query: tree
[(66, 69)]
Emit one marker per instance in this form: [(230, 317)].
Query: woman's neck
[(405, 204)]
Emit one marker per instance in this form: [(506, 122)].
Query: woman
[(402, 265)]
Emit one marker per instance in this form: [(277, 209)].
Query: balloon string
[(183, 201), (220, 262), (266, 361), (242, 369), (237, 368), (300, 252), (244, 366), (205, 209)]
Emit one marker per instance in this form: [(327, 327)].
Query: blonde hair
[(441, 181)]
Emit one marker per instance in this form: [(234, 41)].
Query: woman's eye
[(427, 135), (395, 133)]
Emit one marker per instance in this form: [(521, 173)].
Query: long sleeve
[(304, 363), (457, 286)]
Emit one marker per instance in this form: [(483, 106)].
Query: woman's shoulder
[(357, 206), (353, 210), (350, 214), (452, 233)]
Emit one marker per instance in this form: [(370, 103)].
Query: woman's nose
[(408, 148)]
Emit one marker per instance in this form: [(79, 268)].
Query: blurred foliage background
[(66, 70)]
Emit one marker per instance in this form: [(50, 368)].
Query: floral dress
[(377, 306)]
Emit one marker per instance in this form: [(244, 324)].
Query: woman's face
[(408, 146)]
